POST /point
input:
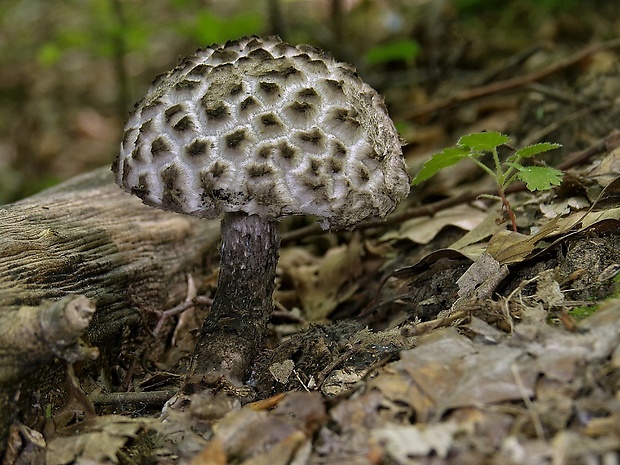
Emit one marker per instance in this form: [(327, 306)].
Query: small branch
[(509, 84), (139, 399), (607, 143)]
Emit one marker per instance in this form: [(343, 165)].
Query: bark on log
[(85, 237)]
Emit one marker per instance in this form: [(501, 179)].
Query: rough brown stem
[(234, 332)]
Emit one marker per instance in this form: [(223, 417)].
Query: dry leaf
[(95, 440), (423, 230), (404, 443), (329, 281)]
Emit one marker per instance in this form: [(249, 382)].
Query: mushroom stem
[(233, 333)]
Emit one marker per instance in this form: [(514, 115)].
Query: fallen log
[(82, 245)]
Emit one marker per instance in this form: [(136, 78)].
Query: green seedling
[(474, 146)]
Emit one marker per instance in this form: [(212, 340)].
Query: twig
[(609, 142), (508, 84), (557, 94), (199, 300), (417, 329), (132, 398), (543, 132), (322, 376)]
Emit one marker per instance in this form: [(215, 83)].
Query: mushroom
[(256, 130)]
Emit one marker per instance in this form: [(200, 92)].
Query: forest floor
[(440, 336)]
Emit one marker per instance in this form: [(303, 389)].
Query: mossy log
[(80, 247)]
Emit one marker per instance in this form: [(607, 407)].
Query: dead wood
[(87, 238)]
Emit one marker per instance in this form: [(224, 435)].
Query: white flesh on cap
[(265, 128)]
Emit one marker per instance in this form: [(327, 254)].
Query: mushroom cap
[(266, 128)]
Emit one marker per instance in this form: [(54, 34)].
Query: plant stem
[(509, 210), (487, 169), (500, 176)]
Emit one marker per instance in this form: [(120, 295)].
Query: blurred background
[(70, 70)]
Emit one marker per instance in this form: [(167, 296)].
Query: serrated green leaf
[(438, 161), (540, 178), (483, 141), (531, 150)]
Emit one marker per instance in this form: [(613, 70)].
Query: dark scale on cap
[(126, 166), (334, 85), (285, 73), (374, 155), (303, 57), (208, 184), (218, 169), (260, 54), (232, 43), (136, 153), (223, 69), (254, 43), (142, 190), (218, 112), (184, 63), (144, 128), (199, 70), (173, 110), (172, 197), (314, 183), (269, 120), (248, 103), (348, 71), (314, 137), (300, 113), (315, 166), (363, 174), (159, 146), (243, 62), (335, 165), (284, 48), (339, 150), (149, 106), (287, 151), (197, 148), (236, 88), (258, 170), (266, 193), (318, 67), (184, 124), (312, 50), (265, 151), (269, 88), (186, 85), (308, 94), (301, 107), (160, 78), (345, 120), (235, 139), (342, 114), (225, 54)]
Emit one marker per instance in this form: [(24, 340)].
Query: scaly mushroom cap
[(266, 128)]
